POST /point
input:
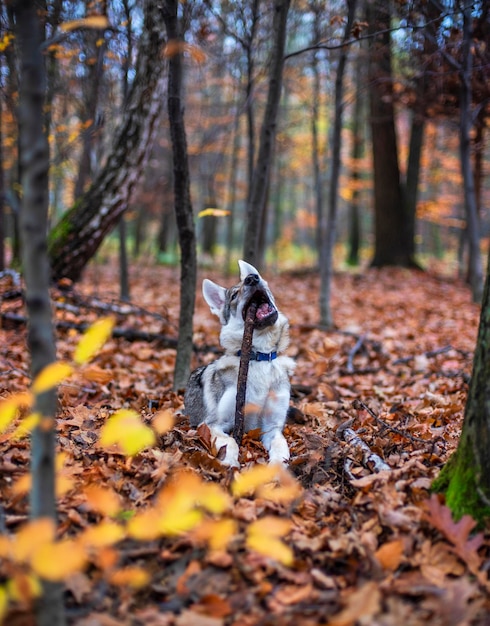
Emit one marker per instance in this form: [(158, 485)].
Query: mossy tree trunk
[(80, 232), (465, 479)]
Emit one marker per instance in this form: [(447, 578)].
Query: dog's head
[(230, 305), (234, 302)]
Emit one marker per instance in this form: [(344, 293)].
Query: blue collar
[(260, 356)]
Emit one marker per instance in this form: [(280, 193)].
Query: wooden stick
[(243, 372)]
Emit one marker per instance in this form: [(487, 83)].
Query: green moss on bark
[(458, 480)]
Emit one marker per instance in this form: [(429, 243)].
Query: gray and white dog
[(210, 396)]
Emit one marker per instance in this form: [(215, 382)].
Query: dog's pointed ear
[(214, 295), (246, 269)]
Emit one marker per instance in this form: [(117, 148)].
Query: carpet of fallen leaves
[(371, 546)]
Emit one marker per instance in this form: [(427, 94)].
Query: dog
[(210, 396)]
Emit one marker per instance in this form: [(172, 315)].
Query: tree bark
[(33, 226), (412, 180), (465, 479), (475, 270), (328, 225), (354, 240), (390, 219), (79, 233), (183, 205), (262, 169)]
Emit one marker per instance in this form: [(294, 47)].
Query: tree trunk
[(94, 65), (475, 270), (328, 226), (412, 181), (260, 182), (231, 206), (183, 205), (33, 221), (354, 239), (78, 235), (465, 479), (390, 220), (2, 198), (315, 147)]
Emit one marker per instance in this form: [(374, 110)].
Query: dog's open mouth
[(266, 313)]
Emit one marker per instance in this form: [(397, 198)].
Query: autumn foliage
[(153, 529)]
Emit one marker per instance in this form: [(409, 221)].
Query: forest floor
[(370, 547)]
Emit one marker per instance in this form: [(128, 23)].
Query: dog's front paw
[(279, 451), (227, 449)]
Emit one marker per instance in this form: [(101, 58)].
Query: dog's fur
[(210, 396)]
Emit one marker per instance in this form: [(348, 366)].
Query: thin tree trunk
[(315, 148), (183, 205), (329, 226), (2, 197), (34, 217), (79, 233), (475, 270), (232, 192), (412, 180), (354, 242), (258, 194)]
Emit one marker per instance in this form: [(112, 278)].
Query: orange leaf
[(103, 500), (163, 421), (390, 554), (135, 577)]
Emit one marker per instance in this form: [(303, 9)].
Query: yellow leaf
[(284, 492), (217, 533), (102, 535), (51, 376), (126, 429), (57, 561), (30, 537), (213, 213), (249, 480), (144, 525), (212, 498), (163, 421), (103, 500), (172, 524), (93, 339), (264, 535), (24, 587), (93, 21), (4, 603), (135, 577), (26, 426), (271, 547), (10, 406)]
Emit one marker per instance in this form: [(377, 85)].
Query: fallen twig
[(357, 346), (370, 459), (429, 354), (359, 405)]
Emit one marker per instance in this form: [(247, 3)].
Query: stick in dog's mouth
[(266, 314)]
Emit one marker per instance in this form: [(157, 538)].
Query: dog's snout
[(252, 279)]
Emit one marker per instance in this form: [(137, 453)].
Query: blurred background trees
[(412, 188)]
